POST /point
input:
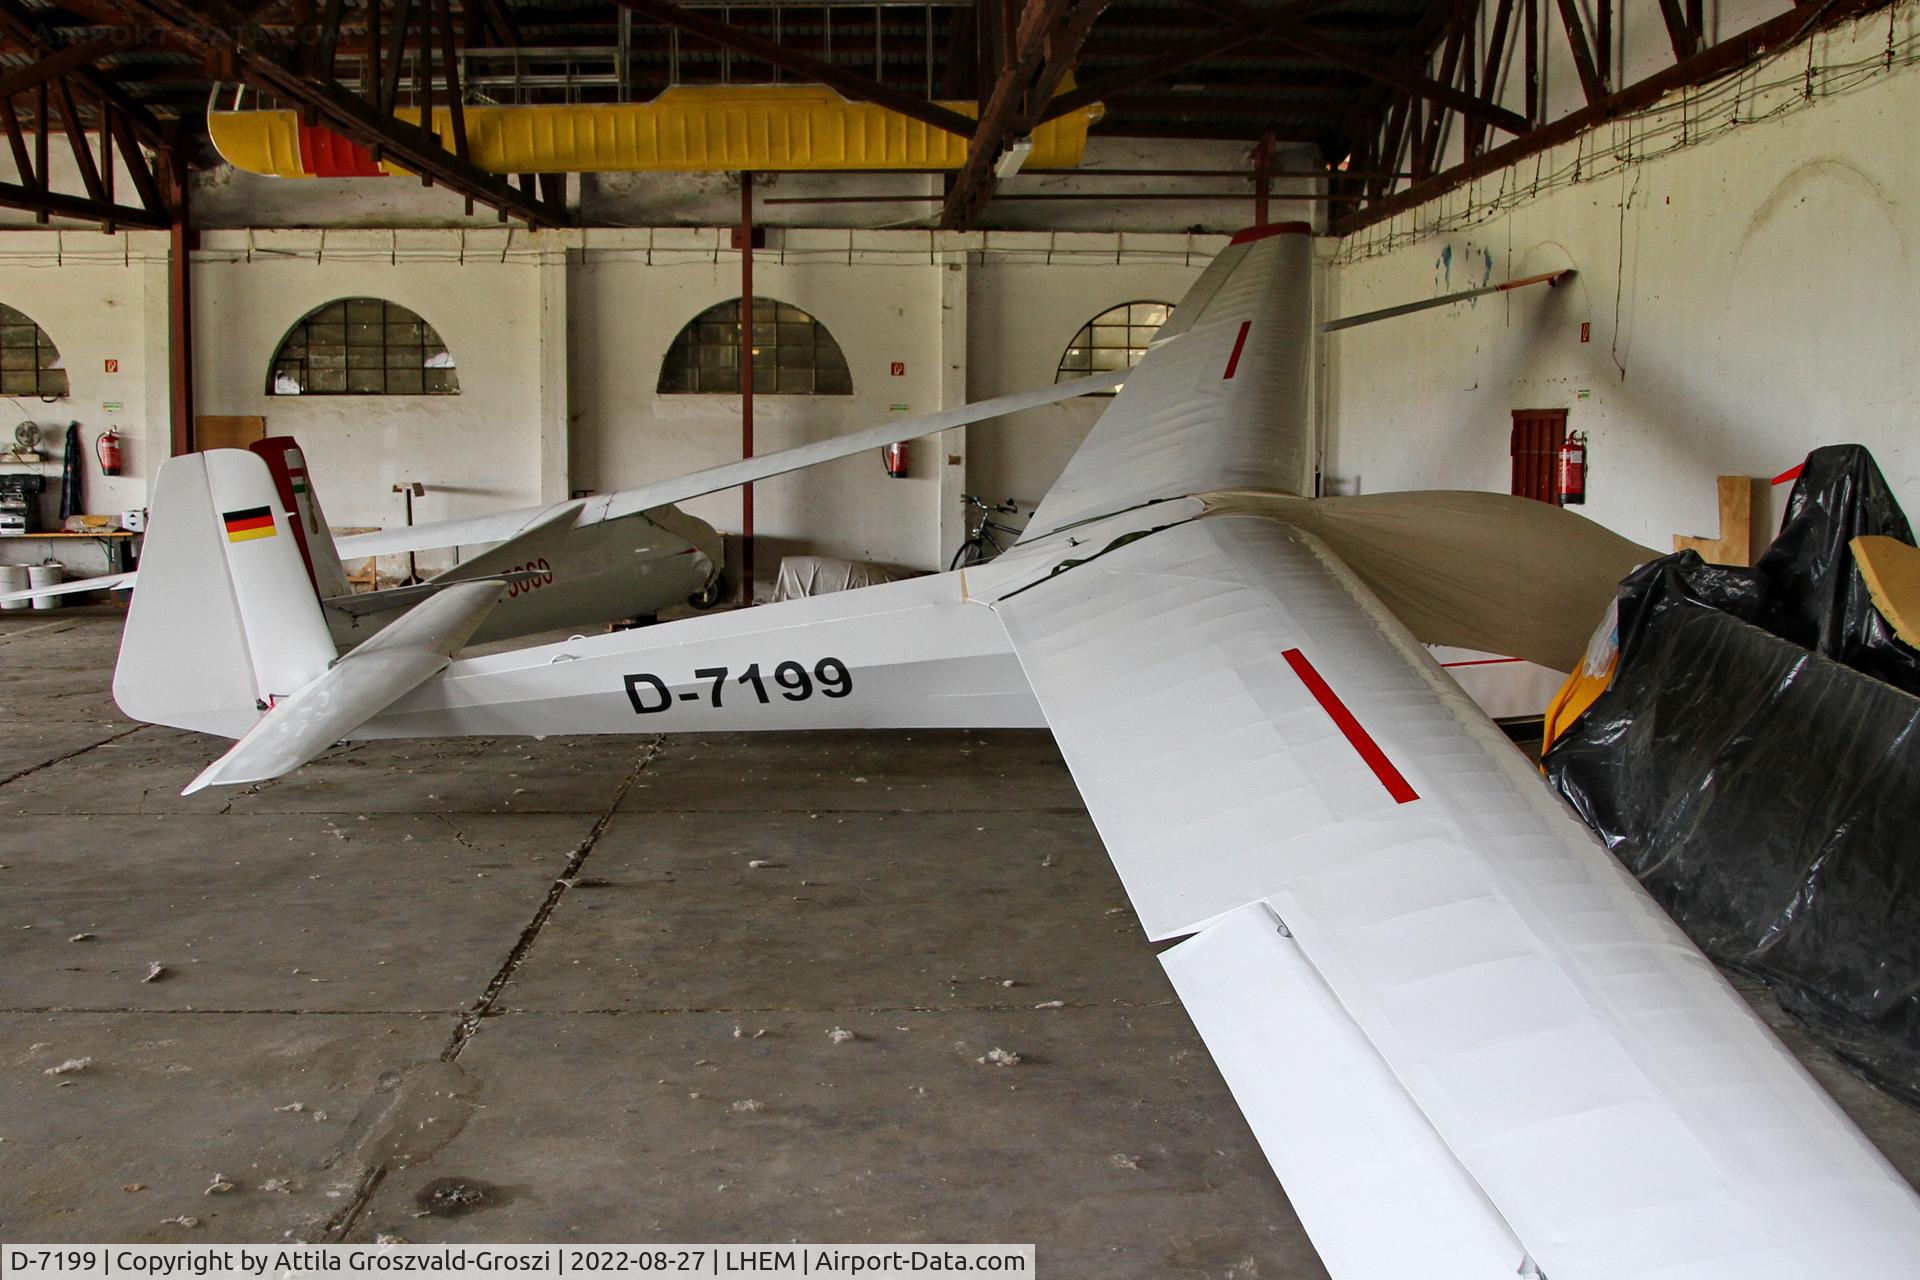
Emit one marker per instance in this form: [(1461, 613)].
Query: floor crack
[(48, 764), (470, 1023), (459, 836)]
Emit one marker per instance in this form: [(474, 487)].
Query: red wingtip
[(1273, 229)]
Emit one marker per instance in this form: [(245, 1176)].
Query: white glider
[(1468, 1041), (585, 561)]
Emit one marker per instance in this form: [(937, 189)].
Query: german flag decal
[(243, 526)]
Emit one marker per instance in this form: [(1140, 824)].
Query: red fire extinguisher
[(1572, 477), (107, 446), (894, 458)]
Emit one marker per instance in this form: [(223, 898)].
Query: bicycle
[(979, 538)]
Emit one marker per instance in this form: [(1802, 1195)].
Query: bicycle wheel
[(962, 558)]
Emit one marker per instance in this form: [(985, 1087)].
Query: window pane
[(362, 346), (792, 353), (1115, 339)]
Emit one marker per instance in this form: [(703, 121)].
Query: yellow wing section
[(688, 129)]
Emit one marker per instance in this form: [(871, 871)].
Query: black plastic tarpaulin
[(1756, 763)]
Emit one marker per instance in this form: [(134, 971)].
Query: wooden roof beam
[(1045, 46)]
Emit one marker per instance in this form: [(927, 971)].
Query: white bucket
[(13, 577), (50, 574)]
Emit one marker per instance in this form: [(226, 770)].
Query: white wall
[(880, 295), (881, 307), (476, 452), (1022, 312), (1751, 297), (97, 297), (558, 338)]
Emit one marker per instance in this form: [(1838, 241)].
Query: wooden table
[(117, 544)]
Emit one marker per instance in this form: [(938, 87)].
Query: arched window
[(29, 362), (362, 347), (793, 354), (1114, 339)]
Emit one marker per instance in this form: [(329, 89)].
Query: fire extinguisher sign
[(897, 369), (113, 366)]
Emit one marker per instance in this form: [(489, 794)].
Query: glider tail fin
[(226, 620), (308, 524)]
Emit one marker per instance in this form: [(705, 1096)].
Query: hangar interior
[(729, 985)]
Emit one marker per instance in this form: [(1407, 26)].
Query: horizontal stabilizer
[(661, 493), (359, 685), (361, 603), (107, 582)]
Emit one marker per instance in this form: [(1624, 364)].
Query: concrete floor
[(539, 991)]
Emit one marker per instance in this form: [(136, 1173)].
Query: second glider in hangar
[(578, 563)]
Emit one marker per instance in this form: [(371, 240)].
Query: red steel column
[(1262, 172), (746, 381), (180, 312)]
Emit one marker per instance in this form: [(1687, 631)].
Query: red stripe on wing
[(1390, 777), (1233, 361)]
